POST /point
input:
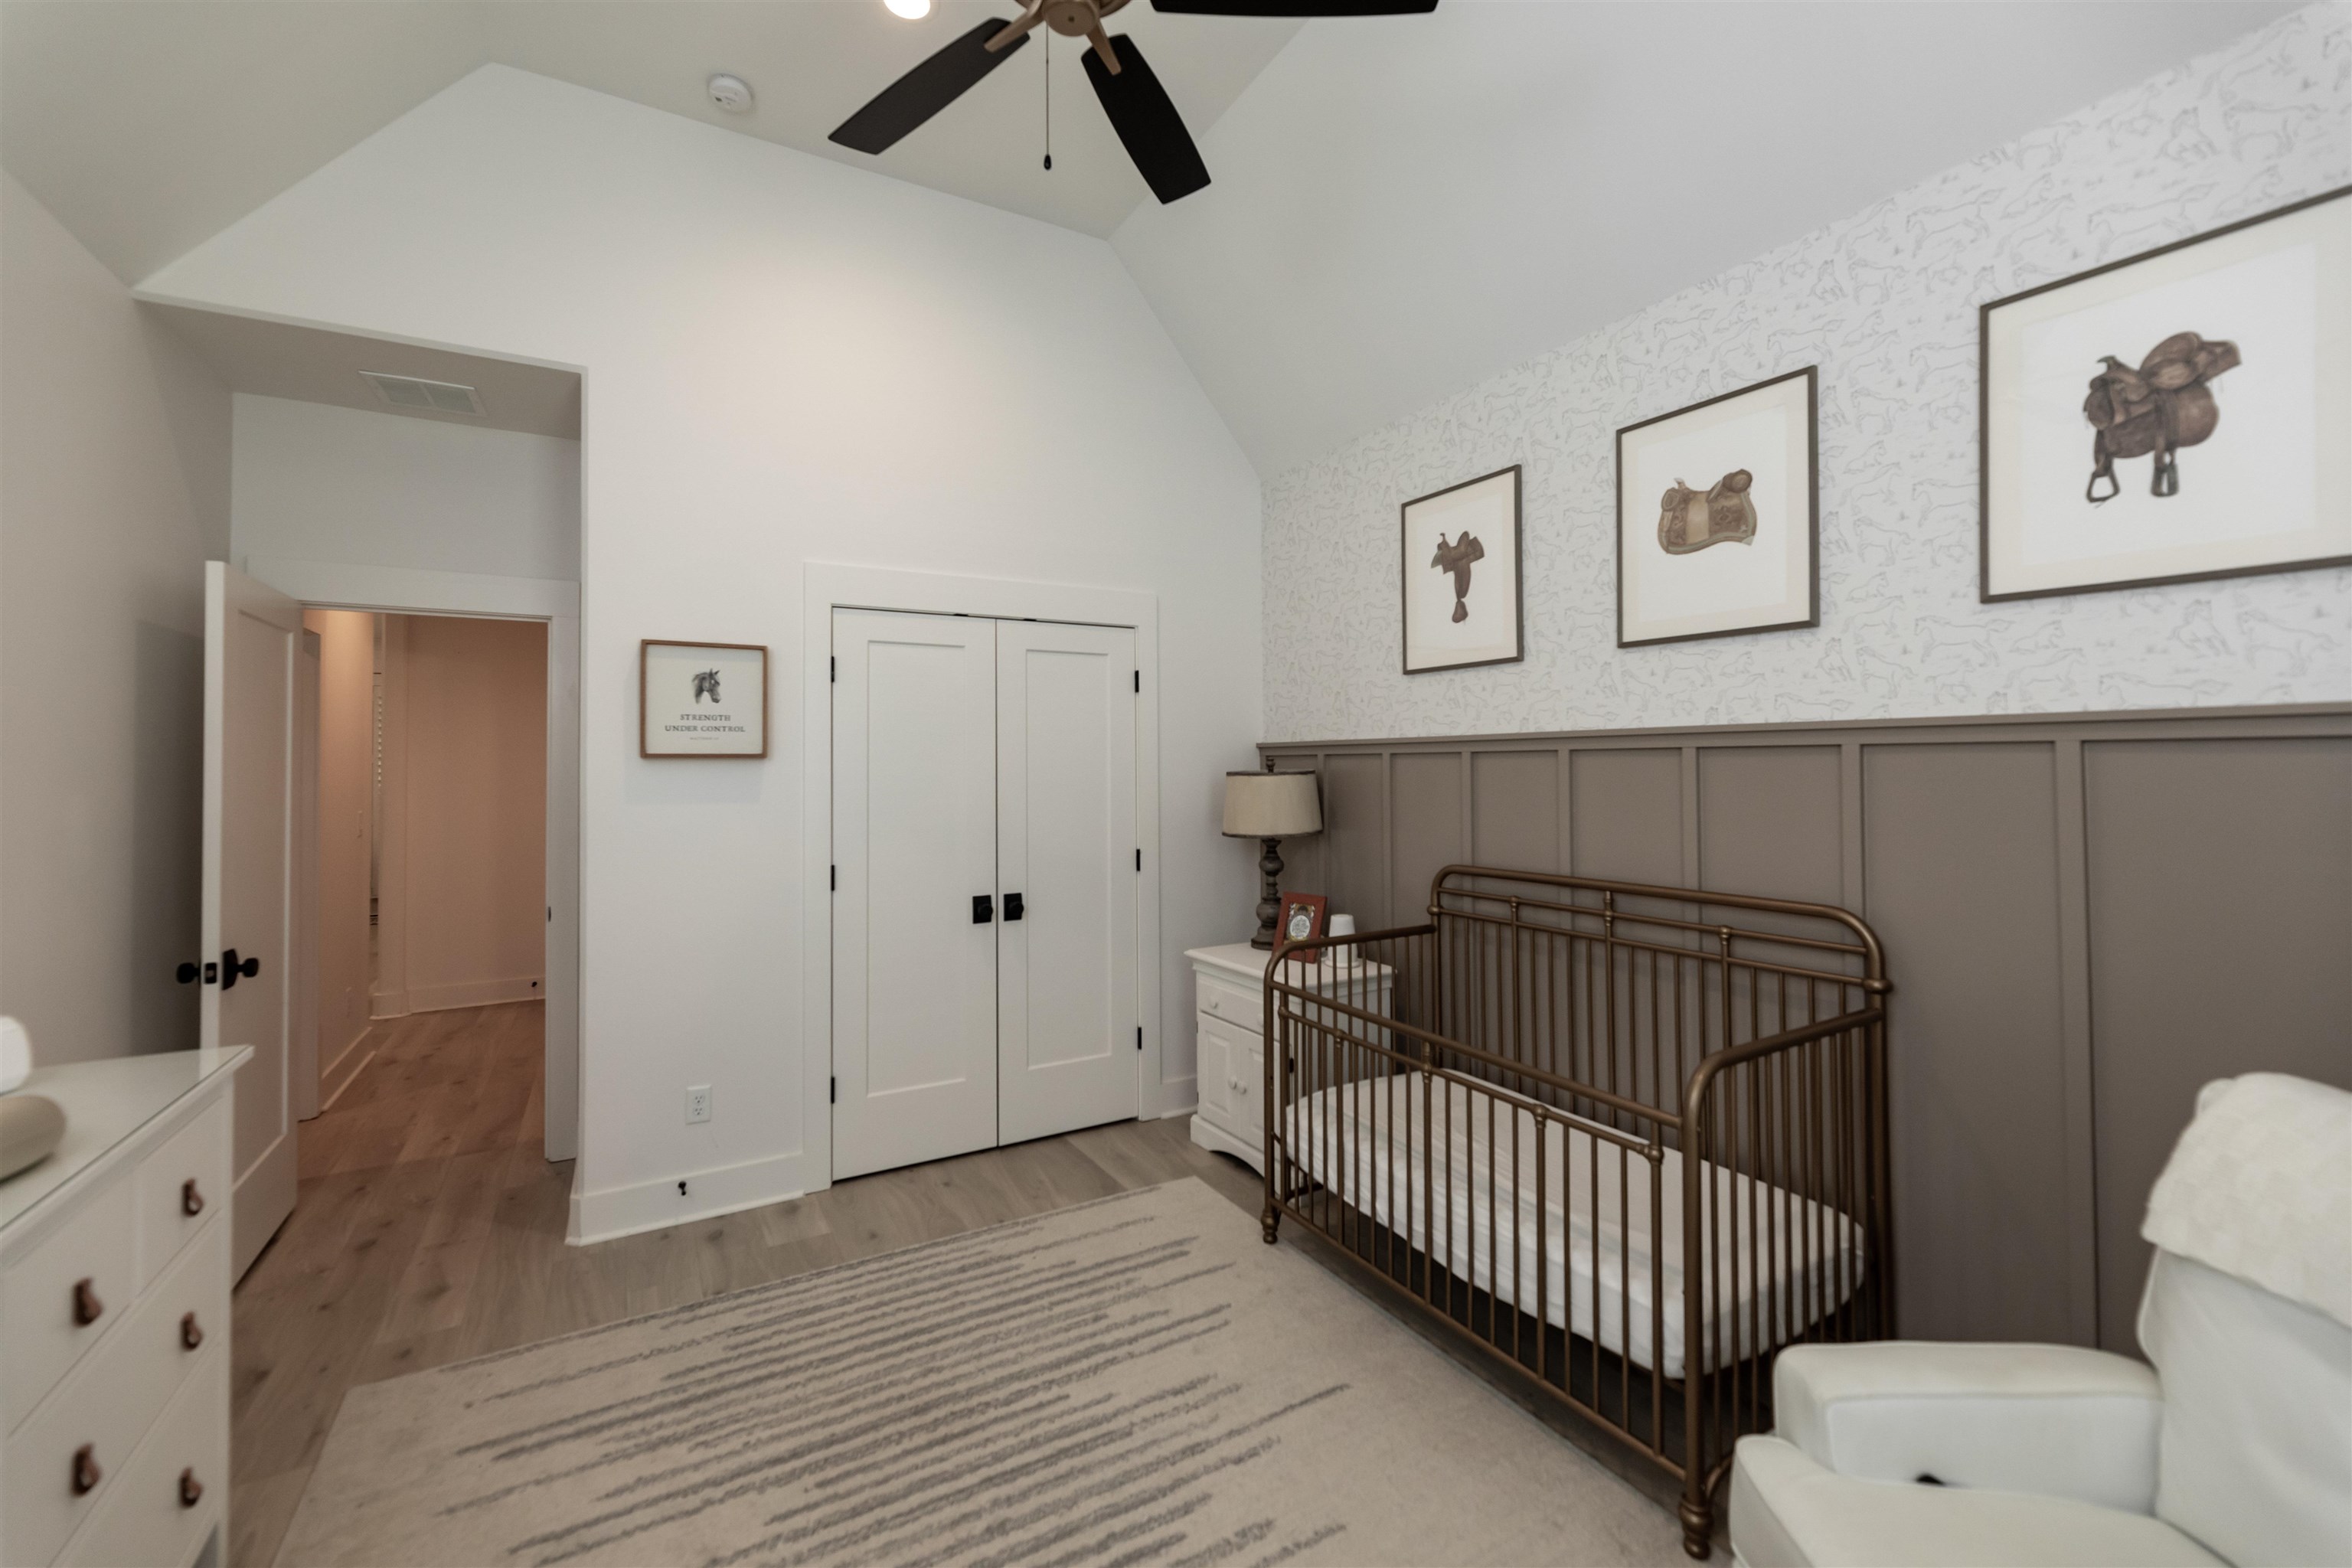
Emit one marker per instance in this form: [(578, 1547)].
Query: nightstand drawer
[(1232, 1082), (1242, 1006)]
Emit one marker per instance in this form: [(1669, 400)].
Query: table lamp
[(1271, 806)]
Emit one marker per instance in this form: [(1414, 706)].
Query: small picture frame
[(2175, 416), (1719, 517), (701, 698), (1463, 603), (1302, 917)]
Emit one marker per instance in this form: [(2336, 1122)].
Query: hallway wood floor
[(429, 1226)]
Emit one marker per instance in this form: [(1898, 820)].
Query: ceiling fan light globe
[(912, 10)]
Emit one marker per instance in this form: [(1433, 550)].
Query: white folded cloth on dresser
[(2238, 1194)]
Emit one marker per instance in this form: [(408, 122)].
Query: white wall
[(464, 813), (113, 491), (785, 360), (1886, 303), (313, 482), (346, 812)]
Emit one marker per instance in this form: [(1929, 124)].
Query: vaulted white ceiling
[(148, 126), (1400, 205)]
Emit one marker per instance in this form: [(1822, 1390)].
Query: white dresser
[(1229, 986), (114, 1315)]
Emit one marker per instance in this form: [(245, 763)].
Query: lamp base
[(1269, 900)]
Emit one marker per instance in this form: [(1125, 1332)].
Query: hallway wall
[(464, 851), (114, 492), (346, 812)]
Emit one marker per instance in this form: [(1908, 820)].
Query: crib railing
[(1621, 1143)]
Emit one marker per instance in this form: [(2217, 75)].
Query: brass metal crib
[(1630, 1140)]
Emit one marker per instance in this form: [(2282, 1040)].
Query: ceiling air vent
[(434, 396)]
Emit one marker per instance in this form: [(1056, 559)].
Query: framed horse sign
[(1717, 517), (2176, 416), (701, 698), (1461, 568)]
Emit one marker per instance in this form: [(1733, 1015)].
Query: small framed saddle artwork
[(2176, 416), (701, 698), (1461, 564), (1717, 520)]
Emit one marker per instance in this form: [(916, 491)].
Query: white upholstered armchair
[(2235, 1446)]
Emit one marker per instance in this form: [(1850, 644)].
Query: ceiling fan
[(1138, 106)]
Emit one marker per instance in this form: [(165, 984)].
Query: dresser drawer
[(1213, 1068), (1243, 1007), (180, 1187), (172, 1489), (43, 1299), (108, 1402)]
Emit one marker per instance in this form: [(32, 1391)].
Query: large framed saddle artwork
[(2179, 415)]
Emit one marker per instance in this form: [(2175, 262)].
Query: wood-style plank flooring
[(429, 1228)]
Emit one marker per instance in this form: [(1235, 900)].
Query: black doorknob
[(983, 909), (1014, 908), (231, 968), (188, 973)]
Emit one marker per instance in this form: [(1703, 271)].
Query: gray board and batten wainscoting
[(2085, 917)]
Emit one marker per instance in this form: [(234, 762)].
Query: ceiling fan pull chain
[(1048, 52)]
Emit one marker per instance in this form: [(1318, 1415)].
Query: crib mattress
[(1591, 1263)]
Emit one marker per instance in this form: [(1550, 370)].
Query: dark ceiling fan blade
[(925, 91), (1146, 122), (1294, 8)]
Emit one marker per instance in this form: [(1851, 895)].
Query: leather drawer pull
[(192, 1202), (190, 1333), (87, 1308), (86, 1473), (192, 1490)]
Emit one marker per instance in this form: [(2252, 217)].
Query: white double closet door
[(985, 884)]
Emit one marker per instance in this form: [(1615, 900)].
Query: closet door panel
[(914, 980), (1066, 845)]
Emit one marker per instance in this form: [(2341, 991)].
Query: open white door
[(254, 738), (1066, 864), (914, 928)]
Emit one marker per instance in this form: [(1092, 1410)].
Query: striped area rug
[(1135, 1381)]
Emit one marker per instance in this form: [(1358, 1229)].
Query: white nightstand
[(1229, 986)]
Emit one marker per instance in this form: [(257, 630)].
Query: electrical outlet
[(698, 1102)]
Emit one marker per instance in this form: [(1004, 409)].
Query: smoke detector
[(416, 395), (731, 93)]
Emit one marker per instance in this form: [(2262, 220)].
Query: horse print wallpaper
[(1885, 304)]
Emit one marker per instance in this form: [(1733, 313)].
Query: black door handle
[(186, 974), (1012, 907), (983, 909), (231, 969)]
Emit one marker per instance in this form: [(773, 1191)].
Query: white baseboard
[(471, 994), (616, 1212), (336, 1075)]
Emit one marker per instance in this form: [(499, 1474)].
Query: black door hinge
[(1139, 859), (1138, 680), (833, 1092), (833, 668), (1138, 1037), (832, 878)]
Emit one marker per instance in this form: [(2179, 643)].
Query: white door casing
[(914, 973), (1067, 1031), (252, 640)]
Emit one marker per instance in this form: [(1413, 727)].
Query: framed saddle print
[(2176, 416), (701, 698), (1461, 576), (1718, 518)]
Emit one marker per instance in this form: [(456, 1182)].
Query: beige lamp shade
[(1272, 806)]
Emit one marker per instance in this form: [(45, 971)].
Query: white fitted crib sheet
[(1793, 1262)]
